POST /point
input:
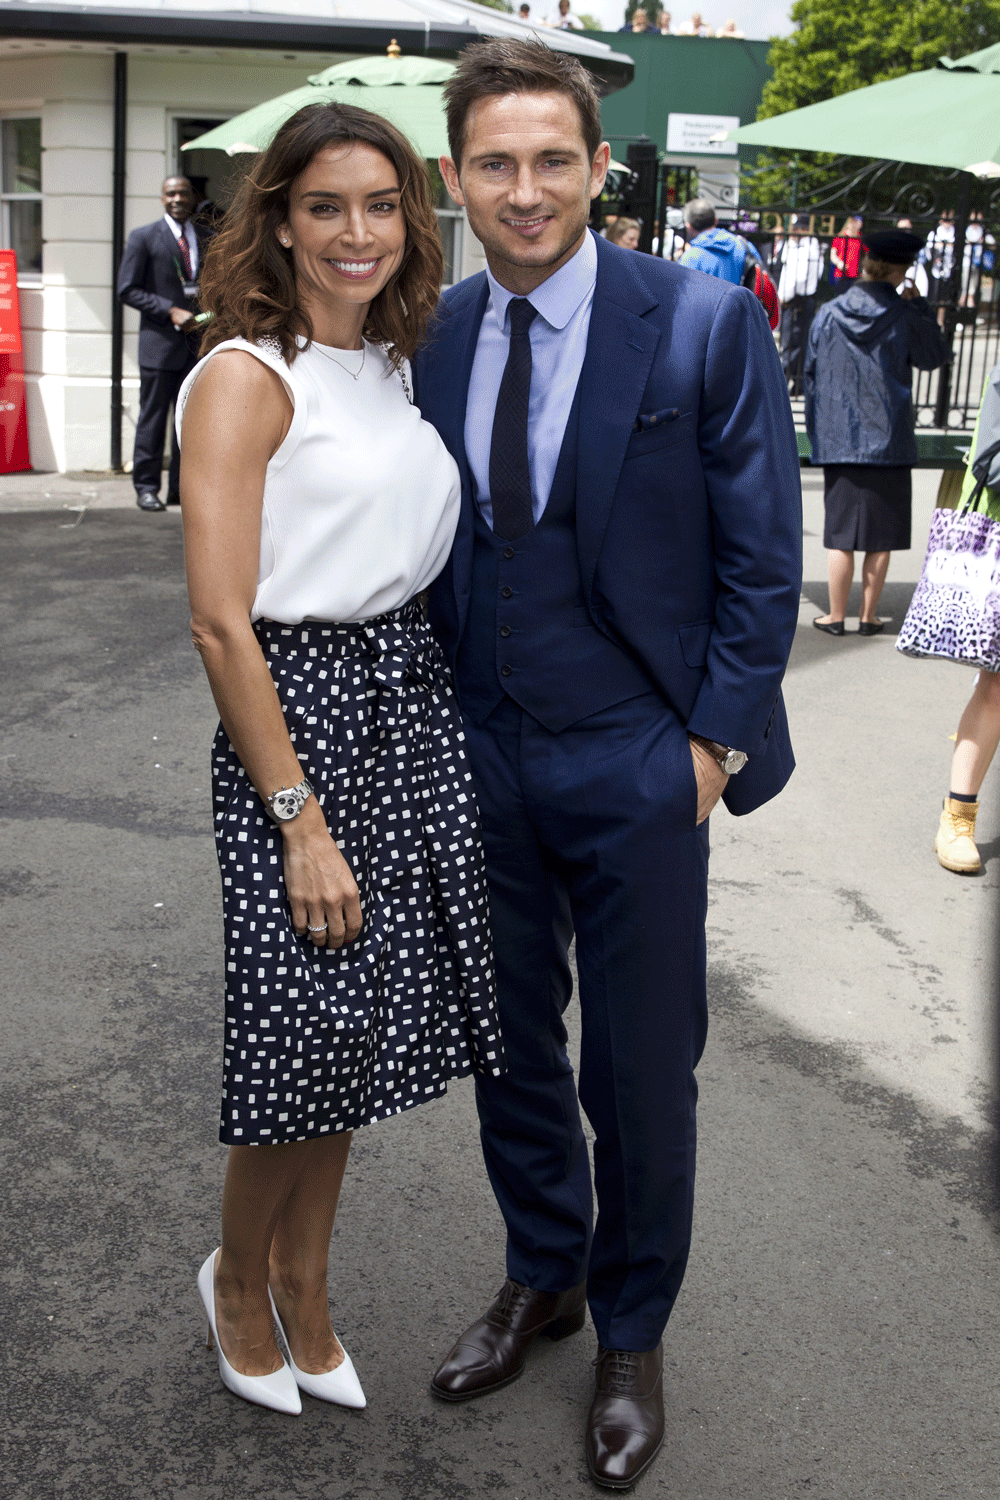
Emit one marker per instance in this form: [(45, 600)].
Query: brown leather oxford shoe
[(491, 1353), (625, 1424)]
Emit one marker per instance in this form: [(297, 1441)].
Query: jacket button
[(505, 671), (506, 592), (505, 631), (508, 552)]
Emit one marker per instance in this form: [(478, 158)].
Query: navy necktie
[(510, 473)]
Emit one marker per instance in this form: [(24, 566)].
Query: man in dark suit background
[(159, 277), (618, 609)]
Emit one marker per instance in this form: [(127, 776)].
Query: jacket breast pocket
[(666, 434)]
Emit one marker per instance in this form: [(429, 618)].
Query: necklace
[(364, 354)]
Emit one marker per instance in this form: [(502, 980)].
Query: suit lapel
[(620, 350), (454, 349)]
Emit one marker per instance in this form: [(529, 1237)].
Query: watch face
[(734, 761), (286, 805)]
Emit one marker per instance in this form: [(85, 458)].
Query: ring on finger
[(322, 928)]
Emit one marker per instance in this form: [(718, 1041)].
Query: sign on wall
[(693, 134), (14, 454)]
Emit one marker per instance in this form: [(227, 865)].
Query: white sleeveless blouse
[(361, 499)]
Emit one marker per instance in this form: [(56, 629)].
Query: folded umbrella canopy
[(405, 90), (947, 116)]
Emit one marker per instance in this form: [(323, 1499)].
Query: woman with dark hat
[(863, 349)]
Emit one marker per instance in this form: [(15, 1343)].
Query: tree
[(590, 23), (840, 45)]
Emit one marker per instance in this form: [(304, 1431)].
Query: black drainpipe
[(117, 251)]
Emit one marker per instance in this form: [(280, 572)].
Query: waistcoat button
[(505, 631), (505, 671), (508, 552), (507, 592)]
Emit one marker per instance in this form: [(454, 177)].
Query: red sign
[(10, 312), (14, 454)]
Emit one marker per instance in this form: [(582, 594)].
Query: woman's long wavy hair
[(248, 279)]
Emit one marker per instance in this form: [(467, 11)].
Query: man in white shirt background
[(563, 19), (801, 265), (695, 27)]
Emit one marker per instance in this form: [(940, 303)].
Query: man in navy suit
[(159, 276), (618, 609)]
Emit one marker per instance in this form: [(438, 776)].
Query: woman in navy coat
[(863, 349)]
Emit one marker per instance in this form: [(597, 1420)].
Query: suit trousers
[(591, 832), (157, 394)]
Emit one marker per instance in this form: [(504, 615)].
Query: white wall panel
[(66, 216), (77, 309), (78, 123), (78, 262), (76, 171)]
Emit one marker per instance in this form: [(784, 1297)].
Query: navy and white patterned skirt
[(320, 1040)]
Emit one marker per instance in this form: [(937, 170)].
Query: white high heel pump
[(341, 1386), (278, 1390)]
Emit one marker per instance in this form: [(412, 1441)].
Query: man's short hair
[(491, 70), (699, 214), (176, 177)]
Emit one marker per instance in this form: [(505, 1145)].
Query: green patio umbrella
[(406, 90), (946, 116)]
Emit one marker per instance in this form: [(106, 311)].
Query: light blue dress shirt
[(558, 345)]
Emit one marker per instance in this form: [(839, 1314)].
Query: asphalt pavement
[(836, 1335)]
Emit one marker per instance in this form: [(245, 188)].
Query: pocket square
[(647, 420)]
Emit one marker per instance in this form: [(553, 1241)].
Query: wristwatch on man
[(731, 761), (288, 801)]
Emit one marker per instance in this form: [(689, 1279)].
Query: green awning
[(405, 90), (948, 116)]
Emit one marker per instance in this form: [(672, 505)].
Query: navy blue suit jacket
[(149, 279), (689, 526)]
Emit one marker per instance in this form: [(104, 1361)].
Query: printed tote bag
[(955, 612)]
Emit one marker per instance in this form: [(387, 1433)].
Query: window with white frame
[(21, 192)]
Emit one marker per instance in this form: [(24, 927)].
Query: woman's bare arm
[(236, 417)]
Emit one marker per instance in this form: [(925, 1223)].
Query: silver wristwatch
[(288, 801), (731, 761)]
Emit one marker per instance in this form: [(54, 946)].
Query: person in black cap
[(863, 348)]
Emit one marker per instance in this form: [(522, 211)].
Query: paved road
[(836, 1335)]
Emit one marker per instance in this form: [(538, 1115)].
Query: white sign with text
[(694, 133)]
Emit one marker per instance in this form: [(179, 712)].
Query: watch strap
[(723, 755)]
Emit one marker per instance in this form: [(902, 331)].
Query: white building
[(95, 103)]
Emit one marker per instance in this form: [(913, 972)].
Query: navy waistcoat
[(528, 634)]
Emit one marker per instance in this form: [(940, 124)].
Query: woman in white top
[(317, 504)]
